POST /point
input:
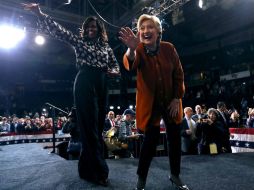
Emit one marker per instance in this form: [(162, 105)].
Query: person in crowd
[(14, 123), (250, 119), (4, 126), (118, 120), (244, 106), (110, 121), (29, 126), (95, 59), (160, 88), (199, 115), (20, 127), (37, 124), (234, 121), (224, 117), (109, 132), (188, 133), (211, 131), (125, 134), (74, 145)]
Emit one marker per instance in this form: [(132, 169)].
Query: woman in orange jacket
[(160, 88)]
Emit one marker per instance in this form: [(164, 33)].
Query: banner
[(242, 139)]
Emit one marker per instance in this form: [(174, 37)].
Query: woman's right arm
[(131, 41), (49, 26)]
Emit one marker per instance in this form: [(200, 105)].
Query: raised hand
[(127, 36), (33, 7)]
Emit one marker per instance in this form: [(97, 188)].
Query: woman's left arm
[(178, 84), (113, 65), (178, 76)]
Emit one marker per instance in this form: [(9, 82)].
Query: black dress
[(94, 60)]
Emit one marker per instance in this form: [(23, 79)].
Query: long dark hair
[(101, 28)]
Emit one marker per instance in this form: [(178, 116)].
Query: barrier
[(31, 138)]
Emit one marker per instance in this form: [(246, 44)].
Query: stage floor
[(30, 167)]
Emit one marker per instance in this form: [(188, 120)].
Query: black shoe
[(103, 182), (141, 183), (177, 182)]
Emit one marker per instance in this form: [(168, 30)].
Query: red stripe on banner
[(249, 131)]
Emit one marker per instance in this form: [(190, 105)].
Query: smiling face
[(93, 28), (149, 33)]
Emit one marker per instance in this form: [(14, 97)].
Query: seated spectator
[(250, 119), (125, 134)]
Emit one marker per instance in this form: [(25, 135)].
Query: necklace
[(151, 52)]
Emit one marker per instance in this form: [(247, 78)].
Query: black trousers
[(90, 95), (149, 145)]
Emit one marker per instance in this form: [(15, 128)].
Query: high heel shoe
[(177, 183)]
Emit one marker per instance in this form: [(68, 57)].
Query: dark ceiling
[(192, 30)]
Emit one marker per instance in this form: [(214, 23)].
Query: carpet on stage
[(30, 167)]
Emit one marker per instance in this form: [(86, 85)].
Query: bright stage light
[(40, 40), (200, 4), (10, 36)]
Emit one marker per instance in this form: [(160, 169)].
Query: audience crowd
[(201, 129)]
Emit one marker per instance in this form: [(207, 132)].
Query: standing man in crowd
[(110, 121), (188, 133), (224, 117)]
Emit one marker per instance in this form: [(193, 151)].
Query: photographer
[(211, 131)]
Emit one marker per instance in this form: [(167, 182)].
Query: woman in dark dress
[(95, 59)]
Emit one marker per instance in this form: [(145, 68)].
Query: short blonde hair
[(251, 111), (154, 19), (186, 109)]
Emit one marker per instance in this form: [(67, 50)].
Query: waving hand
[(129, 38), (33, 7)]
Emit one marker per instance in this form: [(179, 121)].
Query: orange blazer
[(172, 79)]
